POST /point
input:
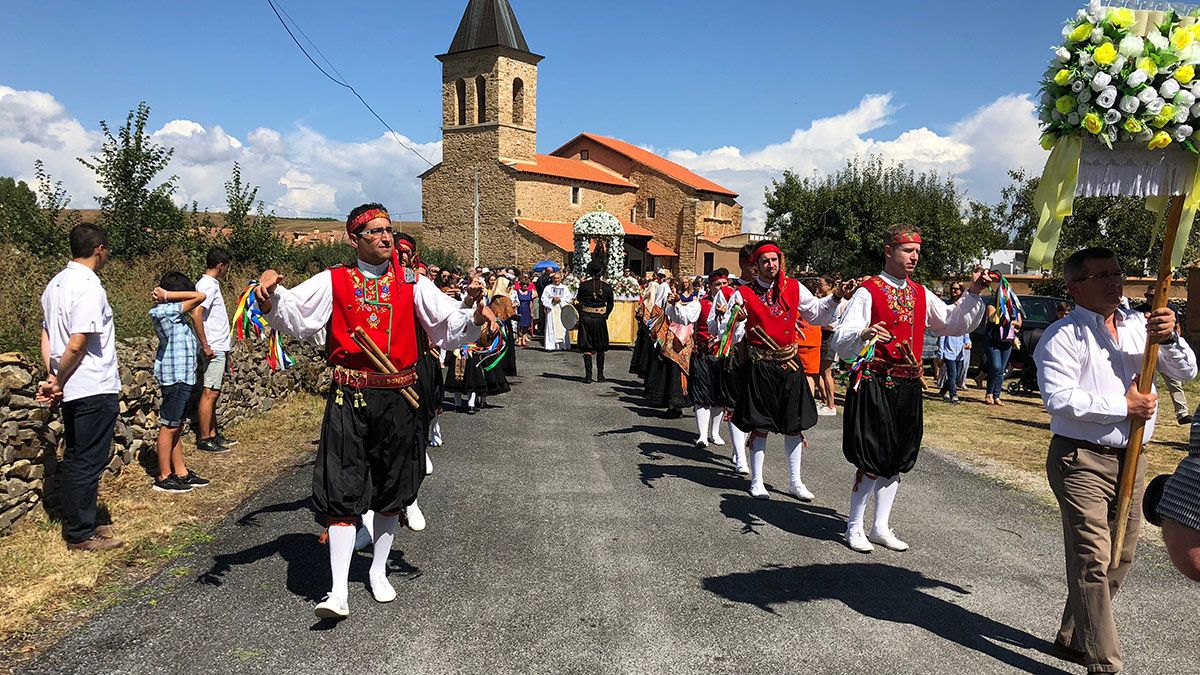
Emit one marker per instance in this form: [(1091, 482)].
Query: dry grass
[(1018, 434), (45, 589)]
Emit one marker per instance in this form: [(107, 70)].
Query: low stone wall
[(31, 436)]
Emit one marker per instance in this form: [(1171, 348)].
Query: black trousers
[(882, 425), (88, 425)]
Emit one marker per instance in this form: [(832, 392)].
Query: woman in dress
[(526, 297)]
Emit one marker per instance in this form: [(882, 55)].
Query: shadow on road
[(652, 450), (885, 593), (815, 522), (700, 475), (669, 433), (251, 519), (559, 376)]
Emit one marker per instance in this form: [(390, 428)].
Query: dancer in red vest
[(704, 381), (882, 428), (773, 395), (369, 456)]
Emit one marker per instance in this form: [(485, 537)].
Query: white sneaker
[(887, 539), (825, 411), (332, 607), (758, 491), (799, 491), (428, 465), (414, 518), (741, 468), (857, 540), (382, 589), (362, 540), (717, 440), (435, 439)]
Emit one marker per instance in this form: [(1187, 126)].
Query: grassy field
[(46, 589)]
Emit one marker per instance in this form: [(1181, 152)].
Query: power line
[(336, 80)]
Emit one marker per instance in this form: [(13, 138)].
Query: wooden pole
[(1133, 452)]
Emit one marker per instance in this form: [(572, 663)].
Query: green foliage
[(138, 215), (836, 223), (442, 257), (1052, 286), (252, 238), (36, 222)]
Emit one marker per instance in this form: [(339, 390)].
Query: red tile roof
[(573, 169), (635, 229), (655, 162), (656, 249), (561, 235)]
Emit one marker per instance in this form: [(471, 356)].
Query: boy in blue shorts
[(175, 370)]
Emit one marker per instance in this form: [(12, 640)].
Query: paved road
[(573, 531)]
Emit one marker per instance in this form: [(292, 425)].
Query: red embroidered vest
[(903, 312), (702, 334), (778, 319), (382, 307)]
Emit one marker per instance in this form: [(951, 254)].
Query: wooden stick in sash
[(906, 351), (790, 364), (1133, 452), (383, 364)]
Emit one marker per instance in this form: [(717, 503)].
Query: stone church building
[(528, 202)]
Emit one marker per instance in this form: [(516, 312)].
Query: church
[(495, 199)]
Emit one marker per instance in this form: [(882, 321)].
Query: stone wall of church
[(549, 198), (507, 139), (447, 199), (674, 222)]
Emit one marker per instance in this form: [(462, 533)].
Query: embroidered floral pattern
[(901, 301), (771, 300)]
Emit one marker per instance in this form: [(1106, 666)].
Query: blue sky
[(685, 78)]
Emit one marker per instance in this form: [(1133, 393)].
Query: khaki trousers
[(1085, 483)]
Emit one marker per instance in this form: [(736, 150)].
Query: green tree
[(137, 214), (37, 222), (836, 223), (252, 238)]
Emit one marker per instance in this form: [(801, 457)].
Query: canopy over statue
[(605, 231)]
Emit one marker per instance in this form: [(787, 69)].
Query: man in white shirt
[(211, 323), (554, 297), (79, 353), (1088, 368)]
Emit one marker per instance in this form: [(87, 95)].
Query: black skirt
[(883, 426), (494, 380), (430, 384), (664, 384), (509, 362), (704, 382), (370, 456), (639, 349), (593, 333), (773, 399), (472, 382)]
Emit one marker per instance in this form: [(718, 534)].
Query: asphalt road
[(573, 531)]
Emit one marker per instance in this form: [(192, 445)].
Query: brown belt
[(777, 355), (365, 379), (594, 310), (1094, 447), (903, 371)]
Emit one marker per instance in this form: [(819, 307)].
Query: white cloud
[(978, 150)]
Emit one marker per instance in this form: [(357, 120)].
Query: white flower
[(1146, 95), (1084, 58), (1045, 117), (1157, 39), (1047, 99), (1107, 98), (1131, 46), (1084, 96), (1137, 78), (1097, 35), (1073, 119), (1100, 81), (1190, 54), (1063, 55), (1080, 15), (1090, 70), (1129, 104), (1145, 135), (1112, 117), (1117, 66), (1184, 98), (1168, 88), (1182, 132), (1095, 12), (1181, 115), (1056, 116), (1154, 107), (1077, 87)]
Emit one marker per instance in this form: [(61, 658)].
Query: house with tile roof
[(496, 199)]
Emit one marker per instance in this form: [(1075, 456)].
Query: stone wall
[(31, 436)]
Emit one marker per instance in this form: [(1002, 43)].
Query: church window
[(709, 262), (715, 206), (651, 207), (460, 96), (518, 102), (480, 100), (584, 155), (575, 195)]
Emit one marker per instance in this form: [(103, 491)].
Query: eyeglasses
[(375, 232), (1106, 277)]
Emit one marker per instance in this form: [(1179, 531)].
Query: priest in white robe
[(554, 298)]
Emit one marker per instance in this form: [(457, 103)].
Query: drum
[(569, 317)]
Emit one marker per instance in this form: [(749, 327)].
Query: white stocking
[(385, 534), (864, 487), (758, 455), (703, 415), (716, 426), (471, 400), (793, 446), (885, 496), (738, 437), (341, 550)]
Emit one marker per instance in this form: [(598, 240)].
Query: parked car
[(1039, 312)]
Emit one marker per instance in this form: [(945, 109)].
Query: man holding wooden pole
[(1090, 368), (370, 316)]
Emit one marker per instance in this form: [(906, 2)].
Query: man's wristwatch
[(1172, 339)]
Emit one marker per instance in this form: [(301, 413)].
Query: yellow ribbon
[(1054, 199), (1191, 203)]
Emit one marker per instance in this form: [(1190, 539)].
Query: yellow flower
[(1082, 32), (1065, 104), (1147, 65), (1106, 53), (1093, 123), (1048, 141), (1164, 116), (1062, 77), (1196, 31), (1161, 140), (1134, 125), (1185, 74), (1121, 18), (1181, 37)]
